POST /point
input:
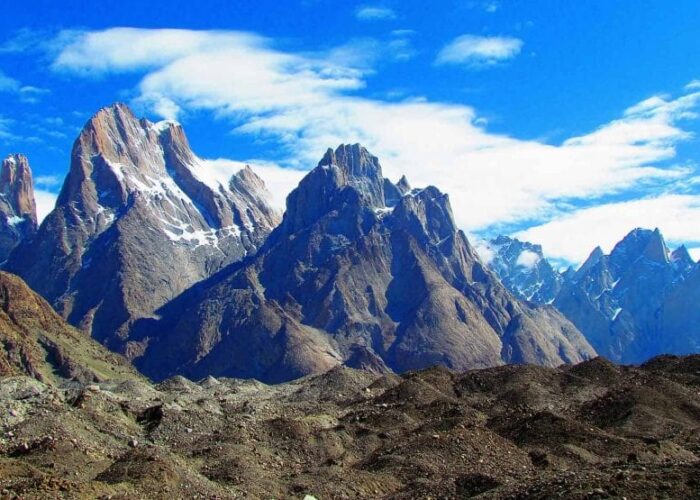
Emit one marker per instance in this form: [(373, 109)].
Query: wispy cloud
[(490, 6), (694, 85), (573, 236), (374, 13), (473, 50), (29, 94), (304, 103), (48, 181), (8, 84), (5, 129)]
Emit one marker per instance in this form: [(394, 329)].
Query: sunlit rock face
[(139, 219)]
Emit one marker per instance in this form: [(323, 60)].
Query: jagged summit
[(359, 271), (353, 159), (681, 258), (139, 219), (523, 269), (640, 242), (617, 300), (18, 218)]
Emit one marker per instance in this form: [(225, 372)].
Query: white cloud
[(5, 126), (48, 181), (32, 95), (45, 203), (694, 85), (473, 50), (527, 259), (490, 6), (482, 247), (573, 236), (305, 103), (8, 84), (369, 13), (694, 253)]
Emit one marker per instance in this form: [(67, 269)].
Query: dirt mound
[(590, 431)]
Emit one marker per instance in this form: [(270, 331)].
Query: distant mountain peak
[(18, 218), (523, 269)]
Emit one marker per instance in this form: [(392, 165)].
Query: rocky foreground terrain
[(593, 430), (77, 421)]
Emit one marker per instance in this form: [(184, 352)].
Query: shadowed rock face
[(35, 341), (359, 271), (17, 206), (139, 219), (637, 302)]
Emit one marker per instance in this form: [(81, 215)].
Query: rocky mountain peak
[(427, 212), (682, 259), (357, 168), (638, 243), (18, 220), (140, 218), (354, 159), (523, 269), (403, 185), (17, 186), (360, 274)]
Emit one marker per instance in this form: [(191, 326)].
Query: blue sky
[(566, 123)]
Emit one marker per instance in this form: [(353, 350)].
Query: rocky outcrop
[(18, 220), (523, 269), (636, 302), (359, 271), (139, 219), (35, 341)]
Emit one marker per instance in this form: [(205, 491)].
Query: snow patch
[(616, 313), (185, 233), (14, 220), (163, 125), (383, 211)]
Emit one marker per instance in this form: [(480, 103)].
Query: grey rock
[(139, 219), (18, 219), (636, 302), (354, 276)]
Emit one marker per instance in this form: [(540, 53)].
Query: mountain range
[(360, 272), (185, 272), (638, 301)]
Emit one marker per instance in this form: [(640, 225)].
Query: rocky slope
[(139, 219), (360, 272), (36, 342), (633, 304), (594, 430), (523, 269), (18, 220)]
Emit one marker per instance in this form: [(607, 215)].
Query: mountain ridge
[(631, 304), (346, 276)]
